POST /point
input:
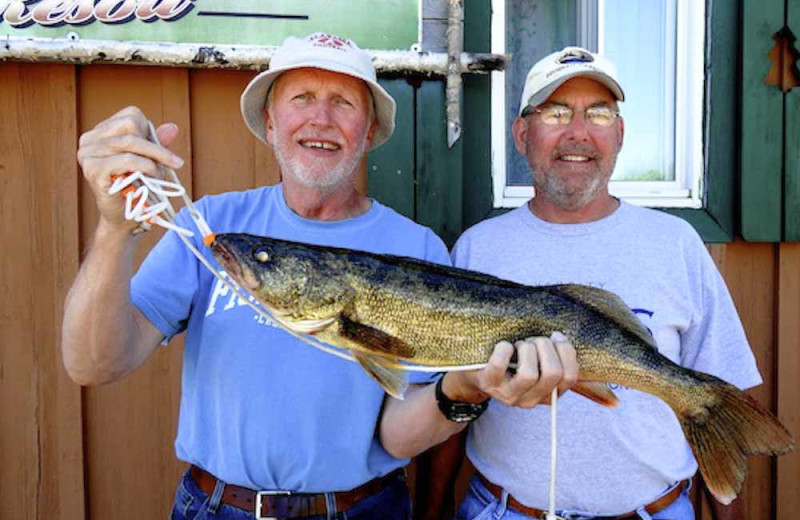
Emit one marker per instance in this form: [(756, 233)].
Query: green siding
[(439, 168), (477, 178), (390, 168), (762, 125), (792, 142), (717, 221)]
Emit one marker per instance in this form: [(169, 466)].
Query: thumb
[(167, 133)]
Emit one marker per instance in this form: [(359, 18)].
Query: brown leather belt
[(284, 504), (652, 508)]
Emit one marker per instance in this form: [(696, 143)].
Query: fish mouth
[(228, 259)]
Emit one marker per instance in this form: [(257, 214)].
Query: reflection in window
[(638, 36)]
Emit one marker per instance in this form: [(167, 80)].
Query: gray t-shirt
[(610, 461)]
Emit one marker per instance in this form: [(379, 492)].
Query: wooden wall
[(96, 453)]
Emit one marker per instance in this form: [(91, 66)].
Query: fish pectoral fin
[(597, 392), (373, 339), (392, 380), (307, 326)]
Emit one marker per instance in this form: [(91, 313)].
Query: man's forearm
[(415, 424), (104, 336)]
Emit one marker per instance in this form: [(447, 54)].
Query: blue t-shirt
[(260, 408)]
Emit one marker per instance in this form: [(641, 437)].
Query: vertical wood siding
[(107, 452)]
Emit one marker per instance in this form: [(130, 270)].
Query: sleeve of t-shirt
[(435, 250), (165, 285), (715, 342)]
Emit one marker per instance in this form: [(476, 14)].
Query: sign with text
[(372, 24)]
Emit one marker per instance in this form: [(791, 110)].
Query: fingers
[(495, 374), (167, 133), (542, 365), (120, 136), (569, 361), (121, 145), (128, 121)]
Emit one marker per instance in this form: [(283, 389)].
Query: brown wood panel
[(131, 467), (788, 367), (226, 155), (40, 408), (749, 270)]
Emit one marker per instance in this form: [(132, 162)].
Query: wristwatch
[(458, 411)]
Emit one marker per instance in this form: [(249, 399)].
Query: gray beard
[(568, 198), (315, 176)]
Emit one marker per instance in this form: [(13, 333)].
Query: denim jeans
[(480, 504), (191, 503)]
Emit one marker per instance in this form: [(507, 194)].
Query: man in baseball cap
[(271, 427), (630, 462)]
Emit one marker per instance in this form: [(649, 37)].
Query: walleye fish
[(388, 310)]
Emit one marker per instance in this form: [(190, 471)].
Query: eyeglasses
[(561, 115)]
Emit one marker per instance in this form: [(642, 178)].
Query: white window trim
[(689, 157)]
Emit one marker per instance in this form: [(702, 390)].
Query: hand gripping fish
[(388, 310)]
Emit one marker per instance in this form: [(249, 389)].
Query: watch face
[(463, 412)]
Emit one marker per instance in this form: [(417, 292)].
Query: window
[(658, 49)]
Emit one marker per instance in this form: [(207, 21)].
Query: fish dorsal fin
[(611, 306), (392, 380)]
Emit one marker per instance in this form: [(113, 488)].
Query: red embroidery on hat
[(331, 41)]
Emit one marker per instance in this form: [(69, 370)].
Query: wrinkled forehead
[(584, 91), (309, 78)]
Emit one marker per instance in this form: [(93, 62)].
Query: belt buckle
[(260, 495)]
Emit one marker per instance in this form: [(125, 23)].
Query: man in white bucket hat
[(632, 461), (271, 427)]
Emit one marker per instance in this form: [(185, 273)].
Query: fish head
[(277, 273)]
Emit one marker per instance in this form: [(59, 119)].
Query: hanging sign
[(373, 24)]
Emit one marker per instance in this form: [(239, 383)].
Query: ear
[(371, 132), (269, 127), (520, 131), (621, 133)]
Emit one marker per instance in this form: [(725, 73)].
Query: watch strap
[(458, 411)]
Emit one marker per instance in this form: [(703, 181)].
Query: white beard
[(316, 175)]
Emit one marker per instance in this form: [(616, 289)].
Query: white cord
[(140, 205), (551, 514)]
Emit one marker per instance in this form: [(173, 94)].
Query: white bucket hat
[(551, 72), (320, 51)]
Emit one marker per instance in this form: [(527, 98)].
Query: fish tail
[(727, 428)]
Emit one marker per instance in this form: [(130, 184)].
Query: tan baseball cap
[(554, 70), (319, 51)]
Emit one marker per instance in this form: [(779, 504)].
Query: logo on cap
[(573, 56), (329, 40)]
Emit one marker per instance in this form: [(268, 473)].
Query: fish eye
[(262, 256)]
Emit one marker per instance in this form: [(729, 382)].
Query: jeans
[(481, 504), (391, 503)]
